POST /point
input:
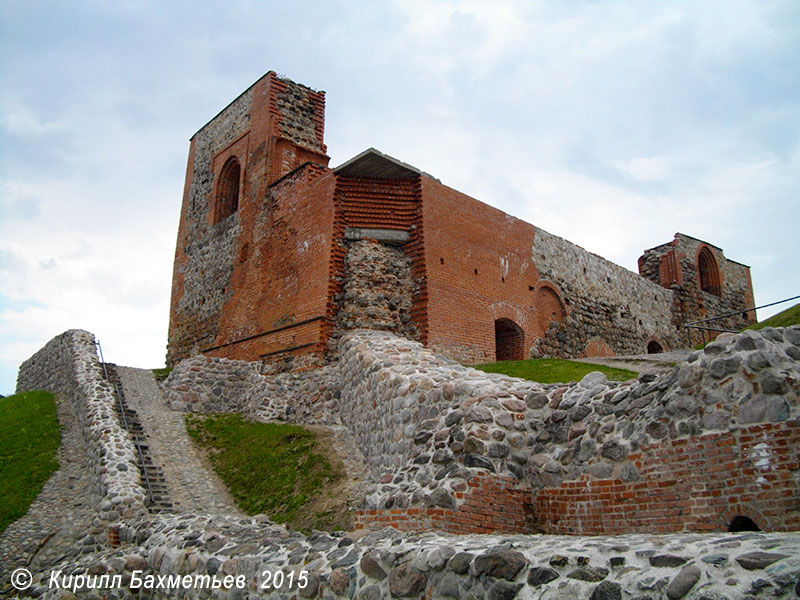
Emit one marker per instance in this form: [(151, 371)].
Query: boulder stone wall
[(68, 367), (189, 556), (461, 450)]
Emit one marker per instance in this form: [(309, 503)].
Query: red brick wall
[(282, 275), (279, 273), (491, 503), (695, 484), (479, 269)]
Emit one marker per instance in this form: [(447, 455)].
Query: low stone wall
[(464, 451), (68, 367), (427, 427), (218, 385), (310, 397), (190, 550), (686, 450), (210, 385)]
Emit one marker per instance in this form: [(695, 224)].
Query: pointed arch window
[(709, 272), (227, 197)]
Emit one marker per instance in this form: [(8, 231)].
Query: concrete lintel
[(395, 237)]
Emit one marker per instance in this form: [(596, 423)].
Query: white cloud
[(613, 124), (646, 169)]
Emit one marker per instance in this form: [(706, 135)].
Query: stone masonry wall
[(377, 291), (461, 450), (429, 565), (204, 257), (204, 384), (605, 303), (68, 367)]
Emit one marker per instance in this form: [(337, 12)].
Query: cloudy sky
[(612, 124)]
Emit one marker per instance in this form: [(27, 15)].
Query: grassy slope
[(553, 370), (786, 318), (29, 440), (269, 468)]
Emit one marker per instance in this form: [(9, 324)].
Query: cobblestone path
[(60, 516), (193, 486)]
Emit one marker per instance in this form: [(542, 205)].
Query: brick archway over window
[(509, 340), (227, 200), (549, 307), (708, 272)]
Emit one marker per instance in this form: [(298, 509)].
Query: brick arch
[(548, 306), (654, 342), (227, 189), (729, 514), (597, 347), (501, 310), (709, 276)]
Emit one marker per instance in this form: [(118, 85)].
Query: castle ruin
[(278, 255), (682, 483)]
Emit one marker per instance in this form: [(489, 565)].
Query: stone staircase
[(152, 475)]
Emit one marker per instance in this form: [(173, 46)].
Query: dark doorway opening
[(654, 348), (508, 340), (740, 523)]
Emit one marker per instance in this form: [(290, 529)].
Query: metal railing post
[(121, 406), (706, 331)]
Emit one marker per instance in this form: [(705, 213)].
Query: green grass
[(269, 468), (29, 440), (786, 318), (553, 370), (162, 373)]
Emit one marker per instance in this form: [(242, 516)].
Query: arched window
[(709, 272), (509, 340), (228, 189)]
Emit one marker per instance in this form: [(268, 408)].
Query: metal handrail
[(698, 324), (125, 422), (144, 470)]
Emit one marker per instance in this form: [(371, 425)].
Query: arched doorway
[(654, 348), (509, 340)]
